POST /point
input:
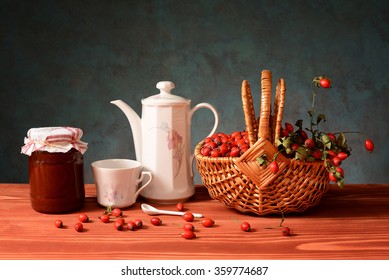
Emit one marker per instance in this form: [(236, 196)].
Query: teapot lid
[(165, 97)]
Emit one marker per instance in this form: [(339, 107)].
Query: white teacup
[(117, 181)]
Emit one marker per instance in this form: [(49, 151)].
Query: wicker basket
[(241, 183)]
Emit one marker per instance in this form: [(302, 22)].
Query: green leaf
[(341, 140), (326, 141), (299, 124), (287, 142), (301, 153), (321, 117), (262, 160)]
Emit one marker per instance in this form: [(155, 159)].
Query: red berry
[(78, 227), (104, 218), (245, 226), (309, 143), (215, 153), (223, 149), (337, 161), (138, 223), (121, 220), (205, 151), (286, 231), (317, 154), (332, 137), (117, 212), (303, 134), (180, 206), (118, 225), (342, 155), (58, 223), (341, 171), (294, 146), (156, 221), (284, 132), (131, 226), (207, 222), (234, 152), (83, 218), (188, 234), (332, 177), (289, 127), (189, 227), (325, 83), (188, 217), (331, 154), (369, 145), (273, 166), (244, 148)]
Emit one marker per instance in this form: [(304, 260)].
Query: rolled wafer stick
[(279, 103), (265, 108), (249, 113)]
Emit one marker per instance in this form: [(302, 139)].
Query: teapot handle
[(216, 115)]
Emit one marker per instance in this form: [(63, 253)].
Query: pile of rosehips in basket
[(226, 145)]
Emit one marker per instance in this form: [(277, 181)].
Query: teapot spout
[(136, 126)]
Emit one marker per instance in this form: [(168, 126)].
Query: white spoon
[(148, 209)]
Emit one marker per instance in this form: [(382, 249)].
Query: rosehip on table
[(286, 231), (138, 223), (156, 221), (189, 227), (245, 226), (188, 234), (83, 218), (131, 225), (188, 216), (207, 222), (58, 223), (104, 218), (118, 225), (79, 227), (180, 206), (117, 212)]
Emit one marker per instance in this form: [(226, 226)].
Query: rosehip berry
[(337, 161), (369, 145), (156, 221), (58, 223), (332, 177), (189, 227), (188, 217), (273, 166), (289, 127), (286, 231), (309, 143), (118, 225), (284, 132), (325, 83), (341, 171), (104, 218), (207, 222), (78, 227), (245, 226), (117, 212), (188, 234), (303, 134), (131, 226), (332, 137), (317, 154), (138, 223), (83, 218), (121, 220), (205, 151), (234, 152), (244, 148), (294, 146), (180, 206), (331, 153), (342, 155), (215, 153)]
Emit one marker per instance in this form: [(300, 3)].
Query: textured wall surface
[(62, 62)]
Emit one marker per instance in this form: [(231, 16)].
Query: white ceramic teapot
[(162, 143)]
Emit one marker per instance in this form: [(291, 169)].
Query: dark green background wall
[(62, 62)]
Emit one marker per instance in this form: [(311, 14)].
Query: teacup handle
[(140, 180), (215, 114)]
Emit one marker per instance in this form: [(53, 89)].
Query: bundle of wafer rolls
[(268, 124)]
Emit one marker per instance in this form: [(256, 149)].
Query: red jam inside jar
[(56, 181)]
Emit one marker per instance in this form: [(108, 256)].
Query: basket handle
[(249, 113), (265, 108)]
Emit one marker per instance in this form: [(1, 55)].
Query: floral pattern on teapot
[(175, 143)]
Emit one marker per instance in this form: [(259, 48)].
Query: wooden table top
[(349, 224)]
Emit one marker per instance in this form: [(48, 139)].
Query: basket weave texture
[(242, 183)]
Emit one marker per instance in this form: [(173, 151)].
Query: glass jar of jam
[(56, 169)]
